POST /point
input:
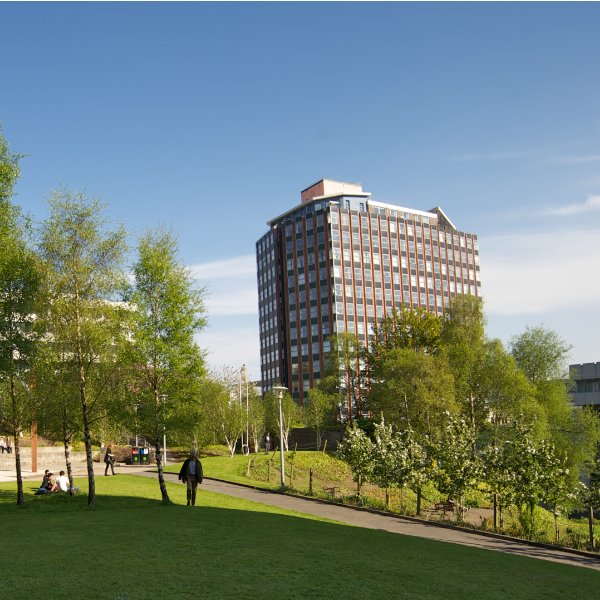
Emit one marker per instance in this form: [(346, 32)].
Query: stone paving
[(359, 518)]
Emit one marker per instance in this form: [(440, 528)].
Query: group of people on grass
[(5, 446), (51, 485), (190, 475)]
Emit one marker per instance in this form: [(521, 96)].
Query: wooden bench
[(332, 491), (445, 506)]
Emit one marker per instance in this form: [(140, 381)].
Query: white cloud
[(538, 272), (489, 156), (232, 344), (240, 266), (231, 337), (573, 160), (230, 285), (591, 204)]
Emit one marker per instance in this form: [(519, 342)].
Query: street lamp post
[(137, 409), (279, 390)]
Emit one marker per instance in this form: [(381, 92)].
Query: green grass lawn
[(327, 471), (131, 546), (234, 469)]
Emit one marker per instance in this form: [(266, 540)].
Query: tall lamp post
[(279, 390)]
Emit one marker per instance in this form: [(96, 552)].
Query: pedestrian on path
[(267, 443), (109, 460), (191, 474), (2, 445), (8, 446)]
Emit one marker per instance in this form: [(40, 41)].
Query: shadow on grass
[(243, 548), (240, 550)]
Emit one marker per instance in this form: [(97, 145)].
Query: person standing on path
[(109, 459), (8, 446), (191, 473), (2, 446), (267, 443)]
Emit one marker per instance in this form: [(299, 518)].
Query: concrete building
[(586, 384), (339, 261)]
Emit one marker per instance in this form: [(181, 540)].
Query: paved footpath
[(360, 518), (392, 524)]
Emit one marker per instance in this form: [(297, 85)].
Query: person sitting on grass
[(63, 484), (48, 484)]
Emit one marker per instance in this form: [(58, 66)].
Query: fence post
[(310, 487)]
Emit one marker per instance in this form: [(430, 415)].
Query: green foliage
[(215, 450), (540, 353), (319, 411), (219, 418), (324, 465), (408, 328), (357, 450), (457, 466), (412, 389), (345, 375), (84, 277), (9, 174), (166, 363), (291, 413), (20, 282)]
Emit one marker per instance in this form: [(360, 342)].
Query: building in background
[(586, 384), (339, 261)]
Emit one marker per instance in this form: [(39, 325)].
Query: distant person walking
[(191, 474), (267, 443), (109, 460), (2, 445), (8, 446)]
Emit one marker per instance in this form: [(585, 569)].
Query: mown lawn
[(327, 472), (234, 469), (130, 546)]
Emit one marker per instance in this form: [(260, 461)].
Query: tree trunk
[(531, 509), (495, 512), (387, 498), (84, 411), (16, 431), (161, 478), (66, 442), (591, 525), (419, 494)]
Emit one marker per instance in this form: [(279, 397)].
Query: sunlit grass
[(131, 546)]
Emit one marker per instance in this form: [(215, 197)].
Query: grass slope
[(131, 546)]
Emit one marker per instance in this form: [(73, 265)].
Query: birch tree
[(19, 295), (84, 271), (167, 364)]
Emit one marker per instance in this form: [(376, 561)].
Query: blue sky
[(210, 119)]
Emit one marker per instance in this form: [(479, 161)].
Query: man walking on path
[(191, 473)]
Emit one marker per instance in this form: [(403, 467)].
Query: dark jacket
[(109, 457), (184, 468)]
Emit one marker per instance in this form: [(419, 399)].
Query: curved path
[(394, 524)]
